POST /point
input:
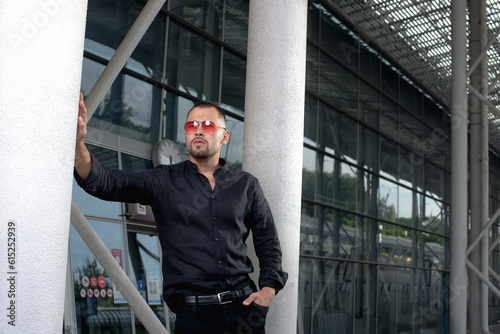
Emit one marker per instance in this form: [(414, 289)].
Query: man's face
[(201, 144)]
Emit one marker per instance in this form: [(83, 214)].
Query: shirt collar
[(222, 162)]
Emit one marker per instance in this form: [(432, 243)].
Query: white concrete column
[(273, 137), (41, 52)]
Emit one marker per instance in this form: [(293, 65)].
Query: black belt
[(220, 298)]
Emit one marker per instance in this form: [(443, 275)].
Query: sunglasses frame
[(203, 124)]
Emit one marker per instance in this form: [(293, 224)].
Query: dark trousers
[(231, 318)]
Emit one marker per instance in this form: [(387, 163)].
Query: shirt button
[(219, 262), (213, 197), (216, 239), (215, 218)]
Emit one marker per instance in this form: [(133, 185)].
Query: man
[(204, 211)]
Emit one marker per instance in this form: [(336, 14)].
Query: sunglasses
[(208, 126)]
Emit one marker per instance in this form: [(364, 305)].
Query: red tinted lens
[(208, 126), (191, 126)]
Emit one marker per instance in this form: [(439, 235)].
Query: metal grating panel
[(417, 34)]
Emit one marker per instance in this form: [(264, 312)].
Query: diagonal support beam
[(122, 54), (483, 54), (494, 110), (483, 278), (485, 229)]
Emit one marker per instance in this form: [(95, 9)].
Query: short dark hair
[(208, 104)]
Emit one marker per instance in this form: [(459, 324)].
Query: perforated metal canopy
[(417, 34)]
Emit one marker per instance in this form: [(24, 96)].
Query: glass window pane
[(435, 216), (107, 24), (409, 207), (232, 152), (307, 226), (305, 292), (145, 273), (369, 105), (369, 149), (91, 205), (338, 85), (312, 68), (434, 181), (310, 120), (337, 134), (204, 14), (434, 251), (369, 64), (388, 200), (387, 303), (390, 80), (336, 233), (410, 169), (236, 24), (131, 164), (333, 296), (193, 63), (389, 159), (130, 108), (338, 40), (389, 118), (411, 98), (233, 83), (99, 305), (411, 132), (313, 14), (336, 182), (308, 173), (174, 117)]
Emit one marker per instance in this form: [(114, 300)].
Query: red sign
[(85, 281), (117, 254), (101, 281), (93, 281)]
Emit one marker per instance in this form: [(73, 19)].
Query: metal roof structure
[(417, 35)]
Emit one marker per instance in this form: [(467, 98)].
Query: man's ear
[(225, 138)]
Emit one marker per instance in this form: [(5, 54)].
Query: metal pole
[(475, 313), (122, 55), (115, 272), (458, 277)]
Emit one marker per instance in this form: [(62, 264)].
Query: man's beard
[(201, 154)]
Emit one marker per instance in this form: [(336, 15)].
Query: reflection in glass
[(232, 152), (338, 85), (337, 134), (335, 182), (236, 24), (206, 15), (100, 308), (338, 40), (193, 63), (233, 83), (91, 205), (334, 289), (310, 120), (312, 68), (131, 164), (103, 36), (145, 273), (130, 108), (308, 173)]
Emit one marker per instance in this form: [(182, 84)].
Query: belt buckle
[(220, 295)]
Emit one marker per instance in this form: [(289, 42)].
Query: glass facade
[(374, 249)]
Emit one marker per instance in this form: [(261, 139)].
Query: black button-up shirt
[(202, 231)]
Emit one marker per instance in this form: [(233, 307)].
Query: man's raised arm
[(83, 161)]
